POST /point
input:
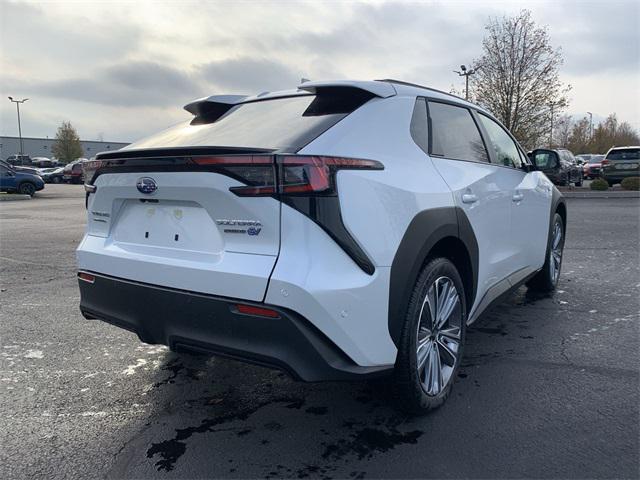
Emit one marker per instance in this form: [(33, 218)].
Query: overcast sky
[(124, 70)]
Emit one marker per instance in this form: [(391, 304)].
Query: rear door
[(530, 201), (194, 207), (479, 189)]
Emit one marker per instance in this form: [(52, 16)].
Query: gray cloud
[(249, 75), (126, 84)]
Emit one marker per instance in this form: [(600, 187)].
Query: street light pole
[(551, 133), (590, 125), (466, 74), (18, 102)]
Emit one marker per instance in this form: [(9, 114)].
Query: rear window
[(626, 154), (285, 124)]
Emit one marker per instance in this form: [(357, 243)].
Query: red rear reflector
[(86, 277), (256, 311)]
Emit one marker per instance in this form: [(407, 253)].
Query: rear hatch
[(622, 162), (195, 207)]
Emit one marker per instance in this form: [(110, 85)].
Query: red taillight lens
[(256, 311), (257, 171), (604, 163), (89, 169), (297, 174), (86, 277)]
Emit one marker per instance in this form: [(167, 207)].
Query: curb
[(11, 197), (600, 194)]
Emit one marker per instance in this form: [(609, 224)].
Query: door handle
[(517, 197), (469, 198)]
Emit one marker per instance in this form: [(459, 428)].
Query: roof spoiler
[(379, 89), (214, 106)]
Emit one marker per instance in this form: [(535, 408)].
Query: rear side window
[(626, 154), (285, 124), (505, 148), (454, 133), (545, 160)]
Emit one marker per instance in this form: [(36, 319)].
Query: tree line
[(517, 79)]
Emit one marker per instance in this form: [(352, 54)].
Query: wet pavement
[(549, 386)]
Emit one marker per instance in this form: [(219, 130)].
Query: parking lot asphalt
[(549, 386)]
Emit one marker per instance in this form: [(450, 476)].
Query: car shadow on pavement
[(214, 417)]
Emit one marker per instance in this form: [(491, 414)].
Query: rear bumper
[(204, 323)]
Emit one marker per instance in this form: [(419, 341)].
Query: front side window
[(454, 133), (503, 145)]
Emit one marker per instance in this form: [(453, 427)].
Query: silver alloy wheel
[(555, 253), (439, 336)]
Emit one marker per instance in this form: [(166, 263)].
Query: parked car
[(19, 160), (52, 175), (593, 167), (72, 172), (44, 162), (620, 163), (14, 181), (559, 165), (343, 230)]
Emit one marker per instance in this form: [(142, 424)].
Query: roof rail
[(408, 84)]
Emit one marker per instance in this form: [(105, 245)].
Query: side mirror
[(529, 167)]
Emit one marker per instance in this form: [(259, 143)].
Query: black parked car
[(559, 165)]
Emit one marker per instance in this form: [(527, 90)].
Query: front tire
[(432, 338), (546, 279), (579, 182), (27, 188)]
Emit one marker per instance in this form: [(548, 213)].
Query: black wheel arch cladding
[(423, 234)]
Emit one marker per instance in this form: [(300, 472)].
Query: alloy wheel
[(555, 253), (439, 336)]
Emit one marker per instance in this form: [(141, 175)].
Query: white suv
[(340, 230)]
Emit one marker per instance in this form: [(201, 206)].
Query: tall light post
[(466, 74), (590, 125), (18, 102)]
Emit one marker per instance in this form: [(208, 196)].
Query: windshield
[(276, 124), (596, 159), (626, 154)]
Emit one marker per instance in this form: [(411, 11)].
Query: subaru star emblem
[(146, 185)]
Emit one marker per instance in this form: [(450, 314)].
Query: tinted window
[(505, 148), (419, 124), (544, 160), (281, 123), (455, 134), (626, 154)]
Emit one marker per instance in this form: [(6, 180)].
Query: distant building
[(41, 147)]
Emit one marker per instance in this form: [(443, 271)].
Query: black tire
[(411, 395), (579, 182), (546, 279), (27, 188), (56, 180)]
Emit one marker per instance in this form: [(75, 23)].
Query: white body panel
[(178, 241)]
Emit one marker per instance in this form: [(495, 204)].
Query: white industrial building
[(41, 147)]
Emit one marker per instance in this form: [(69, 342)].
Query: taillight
[(257, 171), (604, 163), (89, 169), (297, 174)]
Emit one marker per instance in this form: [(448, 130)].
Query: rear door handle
[(518, 197), (469, 198)]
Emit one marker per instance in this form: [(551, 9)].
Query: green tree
[(517, 77), (67, 146)]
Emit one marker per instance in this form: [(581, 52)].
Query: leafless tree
[(517, 77)]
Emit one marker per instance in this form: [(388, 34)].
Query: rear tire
[(429, 353), (55, 180), (579, 182), (546, 279)]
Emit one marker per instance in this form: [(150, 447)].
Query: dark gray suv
[(559, 165)]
